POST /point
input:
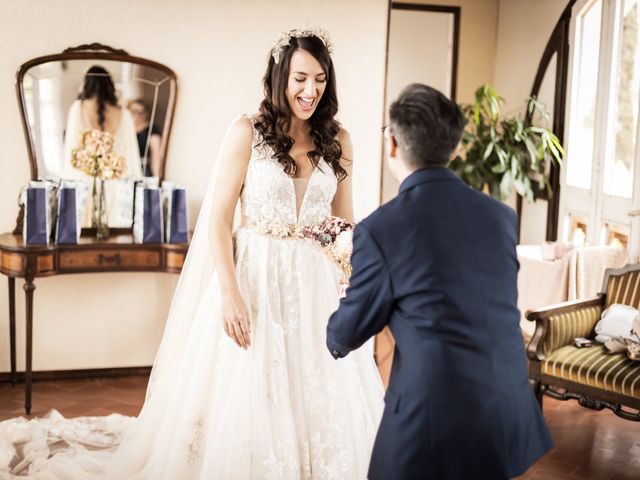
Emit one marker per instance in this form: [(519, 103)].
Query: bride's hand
[(342, 288), (235, 319)]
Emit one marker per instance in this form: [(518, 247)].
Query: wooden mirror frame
[(96, 51)]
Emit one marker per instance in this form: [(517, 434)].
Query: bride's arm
[(342, 205), (234, 160)]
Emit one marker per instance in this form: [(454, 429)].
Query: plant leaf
[(506, 185), (487, 151)]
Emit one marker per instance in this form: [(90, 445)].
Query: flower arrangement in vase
[(95, 157)]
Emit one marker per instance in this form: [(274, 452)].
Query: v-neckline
[(298, 214)]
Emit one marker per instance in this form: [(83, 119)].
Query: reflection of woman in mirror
[(149, 137), (97, 108)]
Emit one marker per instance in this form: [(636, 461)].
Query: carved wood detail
[(95, 47)]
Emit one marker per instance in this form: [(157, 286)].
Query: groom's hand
[(367, 306)]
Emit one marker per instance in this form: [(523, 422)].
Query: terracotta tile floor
[(74, 398), (589, 445)]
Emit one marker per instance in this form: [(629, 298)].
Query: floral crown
[(285, 39)]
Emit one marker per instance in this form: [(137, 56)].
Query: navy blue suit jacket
[(438, 265)]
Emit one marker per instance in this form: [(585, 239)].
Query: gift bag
[(39, 199), (138, 182), (121, 195), (72, 197), (175, 213), (148, 219)]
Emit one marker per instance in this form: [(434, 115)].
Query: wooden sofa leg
[(537, 390)]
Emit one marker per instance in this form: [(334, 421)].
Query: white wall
[(524, 28), (218, 50)]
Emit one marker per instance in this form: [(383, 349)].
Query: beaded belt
[(333, 235), (277, 228)]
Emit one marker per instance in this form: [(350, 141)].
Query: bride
[(243, 386)]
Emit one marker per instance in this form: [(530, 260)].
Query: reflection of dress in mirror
[(97, 108), (149, 137)]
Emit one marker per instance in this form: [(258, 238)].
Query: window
[(619, 167), (600, 193), (586, 85)]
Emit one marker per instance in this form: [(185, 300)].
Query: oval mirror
[(95, 87)]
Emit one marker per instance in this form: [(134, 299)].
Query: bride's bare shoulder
[(240, 133), (344, 137), (347, 147), (242, 125)]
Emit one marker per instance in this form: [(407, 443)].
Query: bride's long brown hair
[(99, 85), (274, 119)]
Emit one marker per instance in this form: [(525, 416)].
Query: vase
[(99, 214)]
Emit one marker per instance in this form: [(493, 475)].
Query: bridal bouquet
[(94, 155), (335, 236)]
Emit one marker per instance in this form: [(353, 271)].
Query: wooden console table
[(117, 254)]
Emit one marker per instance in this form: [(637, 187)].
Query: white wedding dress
[(283, 409)]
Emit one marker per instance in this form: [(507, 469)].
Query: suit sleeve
[(367, 306)]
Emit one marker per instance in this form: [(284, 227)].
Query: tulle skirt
[(283, 409)]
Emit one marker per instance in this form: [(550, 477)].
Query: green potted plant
[(500, 155)]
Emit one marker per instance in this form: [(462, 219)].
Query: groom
[(438, 265)]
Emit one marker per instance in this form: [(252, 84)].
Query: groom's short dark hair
[(426, 125)]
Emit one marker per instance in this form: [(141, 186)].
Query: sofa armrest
[(557, 325)]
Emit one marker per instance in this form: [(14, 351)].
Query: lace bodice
[(269, 194)]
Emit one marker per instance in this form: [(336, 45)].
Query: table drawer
[(108, 260), (174, 261)]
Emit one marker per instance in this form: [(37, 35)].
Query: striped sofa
[(590, 375)]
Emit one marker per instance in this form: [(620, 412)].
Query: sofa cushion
[(616, 321), (594, 367), (564, 327), (624, 289)]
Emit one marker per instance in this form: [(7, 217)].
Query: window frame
[(601, 210)]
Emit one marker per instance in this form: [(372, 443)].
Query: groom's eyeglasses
[(387, 133)]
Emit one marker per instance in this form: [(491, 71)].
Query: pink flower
[(95, 156)]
